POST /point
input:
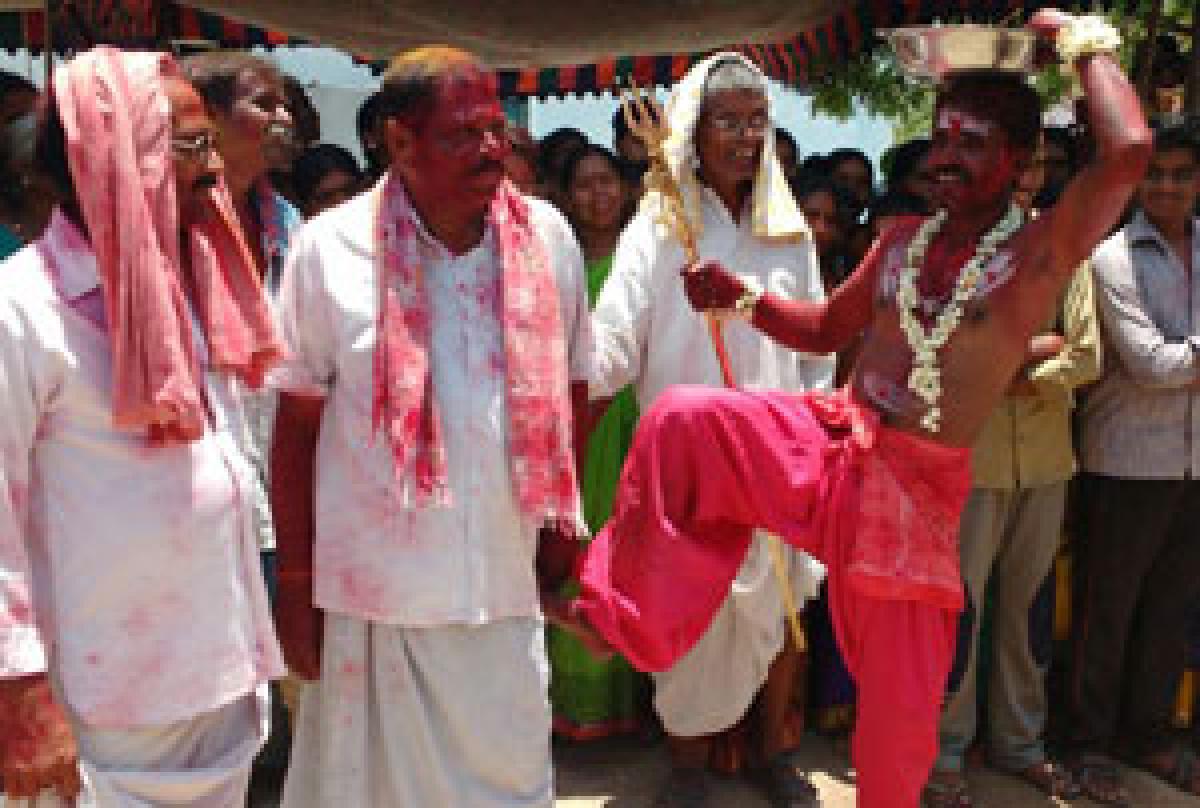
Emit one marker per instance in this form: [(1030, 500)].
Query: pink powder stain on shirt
[(128, 701), (92, 658), (18, 612), (416, 319), (487, 295), (496, 363), (138, 621), (366, 596), (352, 668), (18, 497)]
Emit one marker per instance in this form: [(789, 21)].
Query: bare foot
[(946, 789), (1051, 779)]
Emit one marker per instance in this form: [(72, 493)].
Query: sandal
[(786, 782), (685, 788), (1099, 780), (1051, 779), (946, 790), (1181, 769)]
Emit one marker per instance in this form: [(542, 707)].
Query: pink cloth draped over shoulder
[(879, 507), (404, 406), (117, 119)]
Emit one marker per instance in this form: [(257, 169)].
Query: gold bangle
[(744, 306)]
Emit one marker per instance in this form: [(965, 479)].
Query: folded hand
[(712, 287), (37, 749), (300, 625), (561, 612)]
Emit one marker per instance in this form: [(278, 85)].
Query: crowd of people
[(273, 417)]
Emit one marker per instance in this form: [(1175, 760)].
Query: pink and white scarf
[(539, 434), (117, 119)]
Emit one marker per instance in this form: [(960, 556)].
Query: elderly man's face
[(729, 137), (256, 130), (457, 154), (197, 165)]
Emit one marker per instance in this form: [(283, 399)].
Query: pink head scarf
[(117, 119)]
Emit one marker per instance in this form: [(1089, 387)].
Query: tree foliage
[(872, 81)]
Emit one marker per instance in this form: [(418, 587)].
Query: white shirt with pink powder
[(376, 558), (128, 571)]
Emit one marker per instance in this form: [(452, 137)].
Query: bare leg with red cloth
[(708, 466)]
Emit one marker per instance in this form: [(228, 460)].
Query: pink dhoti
[(879, 507)]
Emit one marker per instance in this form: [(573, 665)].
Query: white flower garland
[(1083, 35), (926, 377)]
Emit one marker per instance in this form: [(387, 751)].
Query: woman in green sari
[(594, 698)]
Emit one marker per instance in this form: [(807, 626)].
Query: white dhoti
[(203, 762), (454, 716), (714, 684)]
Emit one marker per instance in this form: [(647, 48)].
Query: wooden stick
[(641, 120)]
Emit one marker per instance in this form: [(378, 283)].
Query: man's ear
[(399, 142)]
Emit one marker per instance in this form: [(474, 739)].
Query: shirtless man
[(872, 479)]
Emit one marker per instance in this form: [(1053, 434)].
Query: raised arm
[(1094, 200)]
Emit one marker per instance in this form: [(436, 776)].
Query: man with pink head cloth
[(134, 627)]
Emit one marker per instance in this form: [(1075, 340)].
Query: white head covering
[(774, 213)]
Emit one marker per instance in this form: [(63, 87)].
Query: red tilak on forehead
[(473, 86), (955, 122), (463, 95)]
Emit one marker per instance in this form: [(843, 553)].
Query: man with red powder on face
[(134, 628), (439, 332), (872, 479)]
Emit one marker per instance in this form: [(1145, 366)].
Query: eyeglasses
[(739, 127), (194, 147)]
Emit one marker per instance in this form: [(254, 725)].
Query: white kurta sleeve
[(305, 321), (22, 650), (622, 315)]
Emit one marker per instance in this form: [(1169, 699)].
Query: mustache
[(282, 132)]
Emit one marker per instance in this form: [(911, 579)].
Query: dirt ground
[(626, 774)]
